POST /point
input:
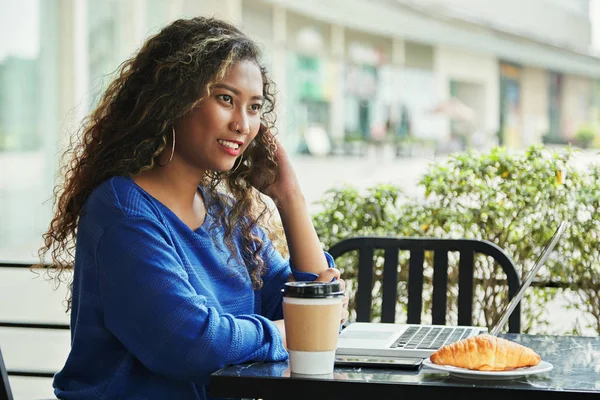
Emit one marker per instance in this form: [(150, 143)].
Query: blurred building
[(348, 71), (355, 67), (358, 70), (369, 70)]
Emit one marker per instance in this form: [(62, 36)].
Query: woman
[(173, 277)]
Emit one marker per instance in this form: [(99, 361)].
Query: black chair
[(5, 392), (391, 246)]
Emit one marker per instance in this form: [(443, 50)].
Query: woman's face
[(223, 124)]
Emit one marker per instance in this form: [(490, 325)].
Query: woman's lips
[(230, 151)]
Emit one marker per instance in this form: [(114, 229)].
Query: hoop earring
[(172, 151), (231, 171)]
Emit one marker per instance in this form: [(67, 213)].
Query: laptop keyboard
[(430, 338)]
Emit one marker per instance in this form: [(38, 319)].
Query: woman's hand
[(327, 276), (286, 184), (280, 324), (345, 312)]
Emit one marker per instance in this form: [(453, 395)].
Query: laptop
[(370, 339)]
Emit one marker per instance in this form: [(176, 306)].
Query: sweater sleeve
[(278, 273), (150, 306)]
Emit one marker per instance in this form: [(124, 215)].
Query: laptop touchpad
[(367, 335)]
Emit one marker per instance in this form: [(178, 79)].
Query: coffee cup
[(312, 312)]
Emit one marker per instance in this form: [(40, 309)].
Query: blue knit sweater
[(157, 307)]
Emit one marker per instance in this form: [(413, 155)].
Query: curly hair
[(172, 72)]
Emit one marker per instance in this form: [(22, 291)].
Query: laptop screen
[(527, 282)]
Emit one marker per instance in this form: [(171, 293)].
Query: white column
[(396, 92), (336, 120), (234, 11), (398, 52), (55, 98), (492, 99), (229, 10), (67, 71), (131, 26), (175, 9), (279, 64), (81, 60), (140, 20), (442, 85)]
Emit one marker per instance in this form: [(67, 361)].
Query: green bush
[(513, 200), (585, 137)]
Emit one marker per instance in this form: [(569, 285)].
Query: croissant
[(485, 353)]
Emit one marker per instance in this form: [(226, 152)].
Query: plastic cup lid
[(313, 289)]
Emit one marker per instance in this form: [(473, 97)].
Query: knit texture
[(158, 307)]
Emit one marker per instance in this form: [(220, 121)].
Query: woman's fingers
[(328, 275), (345, 315), (345, 300)]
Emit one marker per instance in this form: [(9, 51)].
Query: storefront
[(309, 82), (471, 80), (555, 81), (510, 105), (366, 75)]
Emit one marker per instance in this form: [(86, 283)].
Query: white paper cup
[(312, 326)]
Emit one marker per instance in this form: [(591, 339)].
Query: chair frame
[(5, 392), (467, 248)]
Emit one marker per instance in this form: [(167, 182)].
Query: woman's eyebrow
[(235, 91)]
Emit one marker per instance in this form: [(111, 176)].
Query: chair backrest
[(467, 248), (5, 392)]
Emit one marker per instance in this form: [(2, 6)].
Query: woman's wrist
[(280, 324), (289, 201)]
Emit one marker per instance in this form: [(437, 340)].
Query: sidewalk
[(318, 174)]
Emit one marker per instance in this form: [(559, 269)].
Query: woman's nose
[(241, 126)]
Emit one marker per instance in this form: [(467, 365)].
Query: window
[(29, 124)]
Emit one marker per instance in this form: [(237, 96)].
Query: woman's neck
[(177, 189)]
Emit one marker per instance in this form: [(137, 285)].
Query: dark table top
[(576, 375)]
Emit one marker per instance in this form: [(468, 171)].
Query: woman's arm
[(278, 271), (305, 249), (303, 244), (306, 254), (150, 306)]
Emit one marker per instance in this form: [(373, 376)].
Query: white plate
[(542, 367)]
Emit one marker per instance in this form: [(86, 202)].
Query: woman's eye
[(226, 98), (256, 107)]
